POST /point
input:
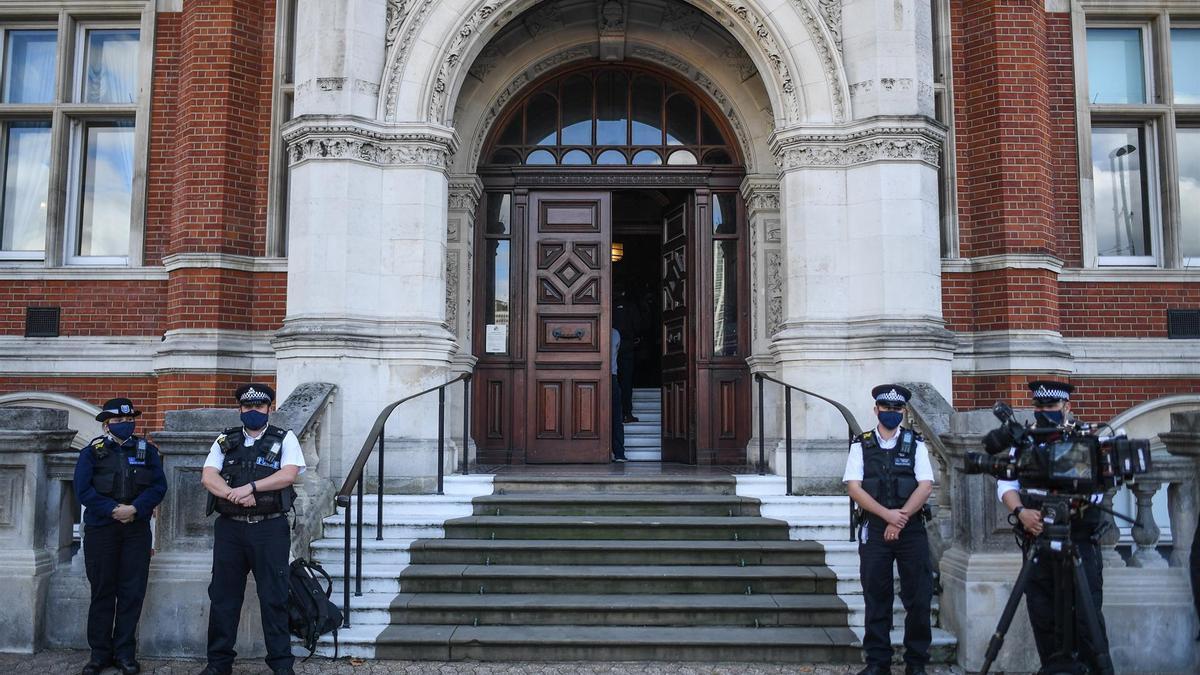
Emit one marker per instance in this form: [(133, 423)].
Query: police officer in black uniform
[(1051, 403), (889, 476), (119, 481), (249, 474)]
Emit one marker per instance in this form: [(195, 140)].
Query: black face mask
[(1045, 419)]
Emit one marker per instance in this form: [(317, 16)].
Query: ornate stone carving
[(610, 23), (679, 18), (831, 11), (766, 42), (464, 196), (398, 51), (397, 12), (459, 45), (922, 144), (829, 61), (543, 18), (762, 198), (344, 142), (485, 63), (452, 291), (774, 283), (755, 266)]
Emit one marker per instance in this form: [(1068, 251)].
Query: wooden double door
[(549, 399)]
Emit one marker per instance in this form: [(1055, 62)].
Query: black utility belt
[(254, 519)]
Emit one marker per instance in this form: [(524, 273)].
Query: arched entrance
[(611, 198)]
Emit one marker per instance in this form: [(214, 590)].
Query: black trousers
[(625, 359), (238, 549), (117, 560), (618, 425), (1039, 601), (910, 553)]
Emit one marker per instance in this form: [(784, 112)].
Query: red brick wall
[(1094, 399), (88, 307)]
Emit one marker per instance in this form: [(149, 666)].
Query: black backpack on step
[(310, 612)]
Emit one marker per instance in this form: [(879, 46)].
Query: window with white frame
[(282, 109), (1142, 122), (70, 110)]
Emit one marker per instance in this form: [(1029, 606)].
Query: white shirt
[(291, 455), (854, 463)]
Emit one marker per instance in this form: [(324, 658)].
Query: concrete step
[(602, 643), (644, 455), (614, 505), (614, 552), (653, 416), (648, 441), (615, 527), (721, 485), (643, 427)]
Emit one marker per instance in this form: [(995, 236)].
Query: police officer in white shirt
[(1051, 403), (249, 474), (889, 476)]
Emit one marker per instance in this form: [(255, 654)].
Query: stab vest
[(889, 476), (247, 463), (121, 472)]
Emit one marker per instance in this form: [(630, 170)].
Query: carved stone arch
[(750, 132), (1143, 418), (81, 415), (428, 80)]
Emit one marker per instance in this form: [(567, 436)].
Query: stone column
[(761, 196), (862, 273), (28, 535), (1183, 441)]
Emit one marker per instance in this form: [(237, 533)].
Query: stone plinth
[(27, 500)]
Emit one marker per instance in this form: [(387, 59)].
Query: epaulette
[(99, 446), (97, 442), (864, 436)]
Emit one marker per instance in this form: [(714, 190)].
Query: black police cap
[(1050, 391), (117, 407), (891, 394), (254, 393)]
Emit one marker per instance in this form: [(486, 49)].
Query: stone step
[(693, 485), (592, 643), (602, 643), (594, 579), (648, 417), (615, 505), (616, 552), (633, 610), (616, 610), (615, 527), (643, 442)]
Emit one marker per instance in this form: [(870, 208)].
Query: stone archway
[(81, 415), (806, 80)]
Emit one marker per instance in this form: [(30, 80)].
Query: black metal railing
[(851, 423), (355, 481)]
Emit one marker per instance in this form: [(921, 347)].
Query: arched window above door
[(610, 116)]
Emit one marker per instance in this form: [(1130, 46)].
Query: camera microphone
[(997, 440)]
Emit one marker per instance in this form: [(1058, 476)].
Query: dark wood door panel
[(677, 441), (568, 366)]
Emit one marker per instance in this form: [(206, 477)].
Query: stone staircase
[(606, 568), (643, 439)]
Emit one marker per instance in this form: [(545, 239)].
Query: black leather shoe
[(130, 667), (875, 670), (94, 668), (914, 669)]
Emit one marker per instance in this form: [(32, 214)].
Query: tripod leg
[(1083, 600), (1010, 610)]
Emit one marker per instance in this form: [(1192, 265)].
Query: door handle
[(559, 335)]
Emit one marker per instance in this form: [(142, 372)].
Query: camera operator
[(889, 476), (1051, 403)]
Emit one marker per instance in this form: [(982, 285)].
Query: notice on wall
[(496, 338)]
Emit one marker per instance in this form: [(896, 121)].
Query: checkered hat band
[(253, 395), (1060, 394), (892, 396)]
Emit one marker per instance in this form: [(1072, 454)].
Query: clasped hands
[(242, 496), (124, 513), (896, 520)]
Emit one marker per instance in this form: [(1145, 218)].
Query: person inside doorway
[(627, 319), (618, 429)]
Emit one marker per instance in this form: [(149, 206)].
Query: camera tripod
[(1072, 595)]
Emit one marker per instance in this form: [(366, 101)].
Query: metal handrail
[(355, 480), (851, 424)]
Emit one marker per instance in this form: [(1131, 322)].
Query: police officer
[(889, 476), (1051, 404), (119, 481), (249, 474)]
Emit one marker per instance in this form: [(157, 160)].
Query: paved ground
[(60, 661)]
